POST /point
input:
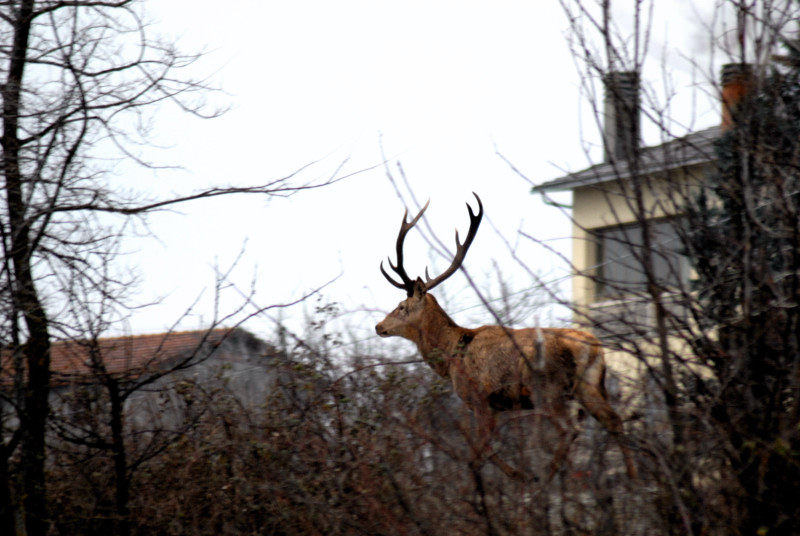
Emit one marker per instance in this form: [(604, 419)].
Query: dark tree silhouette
[(745, 247)]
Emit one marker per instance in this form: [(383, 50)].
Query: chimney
[(621, 115), (736, 80)]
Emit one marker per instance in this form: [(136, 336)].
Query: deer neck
[(440, 339)]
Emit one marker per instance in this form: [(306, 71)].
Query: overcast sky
[(442, 86)]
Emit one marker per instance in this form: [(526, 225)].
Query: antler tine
[(407, 283), (461, 249)]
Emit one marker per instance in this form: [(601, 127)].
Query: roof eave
[(696, 149)]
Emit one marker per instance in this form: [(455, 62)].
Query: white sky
[(443, 84)]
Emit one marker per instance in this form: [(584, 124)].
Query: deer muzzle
[(381, 330)]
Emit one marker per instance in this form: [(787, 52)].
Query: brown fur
[(494, 368)]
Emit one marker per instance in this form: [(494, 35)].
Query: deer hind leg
[(593, 399)]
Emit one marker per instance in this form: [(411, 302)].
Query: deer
[(495, 369)]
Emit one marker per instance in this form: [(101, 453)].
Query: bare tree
[(80, 80)]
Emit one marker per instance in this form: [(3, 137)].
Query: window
[(620, 256)]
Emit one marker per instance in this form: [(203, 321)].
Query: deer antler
[(461, 250), (407, 284)]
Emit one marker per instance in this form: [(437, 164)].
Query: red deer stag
[(494, 368)]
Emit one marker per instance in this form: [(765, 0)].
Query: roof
[(690, 150), (134, 355)]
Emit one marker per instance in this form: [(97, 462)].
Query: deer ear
[(420, 289)]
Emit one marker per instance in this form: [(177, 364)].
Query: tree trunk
[(26, 301), (122, 492), (7, 525)]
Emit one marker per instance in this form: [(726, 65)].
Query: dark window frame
[(619, 253)]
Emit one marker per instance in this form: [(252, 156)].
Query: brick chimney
[(621, 115), (736, 81)]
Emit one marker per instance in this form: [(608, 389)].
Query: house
[(137, 355), (148, 369), (636, 189)]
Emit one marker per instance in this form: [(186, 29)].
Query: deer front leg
[(485, 425), (485, 451), (598, 407)]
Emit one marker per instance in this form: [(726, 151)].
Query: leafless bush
[(342, 446)]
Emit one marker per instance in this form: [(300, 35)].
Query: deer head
[(416, 312)]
